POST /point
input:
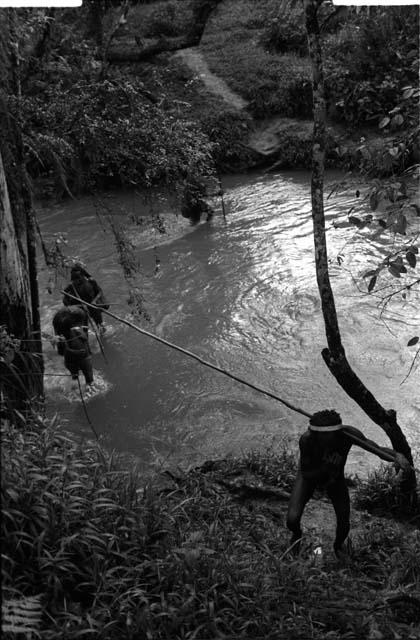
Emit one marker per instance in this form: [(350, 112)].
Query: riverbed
[(238, 291)]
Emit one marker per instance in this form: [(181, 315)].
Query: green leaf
[(397, 120), (413, 249), (372, 283), (382, 223), (399, 265), (411, 259), (369, 274), (408, 93), (394, 271), (401, 224), (373, 201), (356, 221), (413, 341), (384, 122)]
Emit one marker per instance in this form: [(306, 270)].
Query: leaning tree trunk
[(22, 378), (335, 356), (201, 11)]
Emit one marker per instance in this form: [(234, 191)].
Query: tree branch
[(334, 356), (202, 10)]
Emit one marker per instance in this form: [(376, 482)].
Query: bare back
[(323, 456)]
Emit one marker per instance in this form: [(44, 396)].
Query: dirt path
[(267, 135), (193, 59)]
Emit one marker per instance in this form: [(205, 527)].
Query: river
[(240, 292)]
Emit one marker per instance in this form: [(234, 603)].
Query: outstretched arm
[(357, 437)]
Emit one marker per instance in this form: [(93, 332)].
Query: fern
[(21, 616)]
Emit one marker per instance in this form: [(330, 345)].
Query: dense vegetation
[(95, 125), (92, 549)]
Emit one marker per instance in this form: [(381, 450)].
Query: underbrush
[(226, 128), (91, 549), (272, 84), (379, 494), (261, 54), (111, 133)]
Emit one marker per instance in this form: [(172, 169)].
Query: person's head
[(327, 420), (79, 269), (77, 274)]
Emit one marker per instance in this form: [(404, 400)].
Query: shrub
[(163, 21), (110, 133), (285, 36), (228, 130), (365, 77), (94, 550), (381, 494)]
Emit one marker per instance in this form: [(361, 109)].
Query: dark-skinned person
[(71, 326), (83, 286), (324, 448)]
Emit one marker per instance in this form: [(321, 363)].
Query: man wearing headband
[(324, 448)]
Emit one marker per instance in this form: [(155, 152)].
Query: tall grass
[(110, 556), (234, 47)]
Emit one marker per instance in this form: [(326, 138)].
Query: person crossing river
[(71, 326), (87, 289)]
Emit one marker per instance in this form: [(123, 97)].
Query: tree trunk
[(95, 19), (202, 10), (22, 379), (334, 356)]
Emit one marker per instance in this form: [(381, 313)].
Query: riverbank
[(252, 73), (242, 99), (91, 547)]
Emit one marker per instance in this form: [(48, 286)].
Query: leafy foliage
[(379, 494), (108, 555), (164, 20), (286, 35), (108, 133), (365, 76)]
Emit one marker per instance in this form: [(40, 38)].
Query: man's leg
[(87, 369), (301, 493), (339, 496), (73, 368), (96, 315)]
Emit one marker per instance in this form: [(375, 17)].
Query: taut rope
[(194, 356)]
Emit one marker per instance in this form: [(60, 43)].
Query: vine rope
[(190, 354)]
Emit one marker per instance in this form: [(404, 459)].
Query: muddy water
[(241, 293)]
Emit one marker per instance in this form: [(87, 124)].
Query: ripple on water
[(240, 292)]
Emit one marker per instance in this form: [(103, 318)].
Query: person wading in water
[(324, 448), (71, 326), (85, 287)]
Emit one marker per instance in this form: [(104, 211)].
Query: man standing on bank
[(324, 448), (87, 289)]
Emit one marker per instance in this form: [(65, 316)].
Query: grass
[(233, 49), (226, 128), (379, 495), (110, 555)]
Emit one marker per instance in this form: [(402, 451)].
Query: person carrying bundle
[(83, 286), (71, 326)]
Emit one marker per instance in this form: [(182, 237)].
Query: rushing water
[(241, 293)]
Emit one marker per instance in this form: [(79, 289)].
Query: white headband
[(329, 427)]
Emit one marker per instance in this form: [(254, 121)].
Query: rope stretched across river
[(192, 355)]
